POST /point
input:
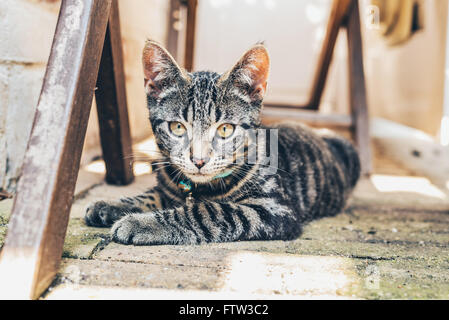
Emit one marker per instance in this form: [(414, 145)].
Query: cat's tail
[(347, 155)]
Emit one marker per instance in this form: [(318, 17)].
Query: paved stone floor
[(391, 242)]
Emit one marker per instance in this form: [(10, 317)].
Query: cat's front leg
[(148, 229), (207, 221), (104, 214)]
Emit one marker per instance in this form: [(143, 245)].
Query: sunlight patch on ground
[(262, 273), (147, 147), (70, 292), (248, 275), (96, 167), (420, 185), (140, 167), (13, 288), (143, 154)]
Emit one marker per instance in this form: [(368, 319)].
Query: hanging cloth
[(399, 19)]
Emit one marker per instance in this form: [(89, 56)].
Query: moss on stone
[(81, 241), (5, 211), (403, 279)]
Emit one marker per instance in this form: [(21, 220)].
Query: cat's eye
[(225, 130), (177, 128)]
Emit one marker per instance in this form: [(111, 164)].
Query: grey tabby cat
[(205, 193)]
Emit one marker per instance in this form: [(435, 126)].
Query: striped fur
[(316, 171)]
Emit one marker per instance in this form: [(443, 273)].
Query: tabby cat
[(208, 189)]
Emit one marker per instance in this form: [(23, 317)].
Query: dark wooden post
[(344, 13), (173, 29), (337, 17), (112, 109), (33, 247), (190, 34), (357, 87)]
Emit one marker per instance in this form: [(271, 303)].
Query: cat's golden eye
[(177, 128), (225, 130)]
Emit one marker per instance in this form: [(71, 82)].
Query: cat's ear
[(160, 69), (250, 73)]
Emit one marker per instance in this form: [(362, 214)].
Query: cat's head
[(200, 119)]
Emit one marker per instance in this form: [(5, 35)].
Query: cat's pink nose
[(199, 163)]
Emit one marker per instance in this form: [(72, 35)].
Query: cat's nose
[(199, 163)]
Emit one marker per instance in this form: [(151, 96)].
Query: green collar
[(186, 185), (224, 174)]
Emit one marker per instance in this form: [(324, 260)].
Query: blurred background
[(404, 58)]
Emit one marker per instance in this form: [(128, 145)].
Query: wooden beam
[(288, 106), (310, 117), (357, 87), (112, 106), (190, 34), (35, 238), (339, 11), (172, 30)]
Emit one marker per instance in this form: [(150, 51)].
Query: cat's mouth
[(200, 177)]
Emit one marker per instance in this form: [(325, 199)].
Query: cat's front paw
[(102, 214), (138, 230)]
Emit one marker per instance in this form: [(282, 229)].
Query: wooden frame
[(357, 88), (190, 34), (344, 14), (32, 251), (175, 35), (112, 110), (173, 30)]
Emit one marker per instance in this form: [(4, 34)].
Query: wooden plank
[(35, 238), (288, 106), (337, 17), (190, 34), (112, 106), (358, 100), (314, 118), (172, 31)]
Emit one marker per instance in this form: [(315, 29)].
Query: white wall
[(25, 39), (26, 33), (405, 83), (293, 32)]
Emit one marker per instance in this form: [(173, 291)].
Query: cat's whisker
[(161, 167)]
